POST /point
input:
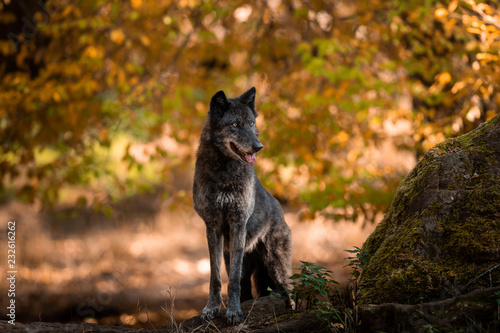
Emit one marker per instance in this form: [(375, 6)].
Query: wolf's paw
[(210, 311), (234, 315)]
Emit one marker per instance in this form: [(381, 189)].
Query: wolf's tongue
[(250, 158)]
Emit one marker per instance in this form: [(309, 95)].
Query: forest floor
[(266, 314), (145, 268)]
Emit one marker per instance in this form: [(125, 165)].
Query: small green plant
[(312, 282), (357, 262), (429, 328), (315, 289), (334, 318)]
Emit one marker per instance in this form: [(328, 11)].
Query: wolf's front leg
[(214, 238), (237, 248)]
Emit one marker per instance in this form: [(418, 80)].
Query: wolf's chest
[(224, 199), (239, 198), (216, 191)]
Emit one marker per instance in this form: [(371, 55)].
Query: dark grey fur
[(244, 223)]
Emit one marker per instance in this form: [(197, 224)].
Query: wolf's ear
[(218, 104), (248, 98)]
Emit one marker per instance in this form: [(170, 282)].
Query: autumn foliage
[(84, 82)]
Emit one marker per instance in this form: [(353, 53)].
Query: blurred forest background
[(102, 104)]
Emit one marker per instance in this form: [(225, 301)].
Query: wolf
[(244, 223)]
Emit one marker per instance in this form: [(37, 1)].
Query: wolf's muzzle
[(257, 147)]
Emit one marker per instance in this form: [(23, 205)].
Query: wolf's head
[(232, 125)]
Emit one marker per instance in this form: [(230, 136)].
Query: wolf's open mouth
[(246, 157)]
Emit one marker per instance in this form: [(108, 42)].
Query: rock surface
[(455, 314), (442, 229)]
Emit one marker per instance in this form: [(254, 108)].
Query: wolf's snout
[(257, 147)]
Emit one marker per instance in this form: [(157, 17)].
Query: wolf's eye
[(251, 124), (235, 124)]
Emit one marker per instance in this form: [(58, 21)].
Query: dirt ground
[(145, 268)]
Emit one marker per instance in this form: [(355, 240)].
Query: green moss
[(443, 226)]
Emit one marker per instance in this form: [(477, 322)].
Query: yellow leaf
[(136, 3), (484, 7), (145, 40), (452, 6), (490, 114), (342, 137), (487, 57), (444, 78), (6, 48), (474, 30), (117, 36), (440, 13), (458, 86), (93, 52), (67, 10), (477, 84), (448, 26)]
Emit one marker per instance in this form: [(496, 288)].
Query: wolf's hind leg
[(278, 261), (246, 277), (263, 281)]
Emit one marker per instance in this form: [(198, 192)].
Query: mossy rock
[(476, 311), (442, 229)]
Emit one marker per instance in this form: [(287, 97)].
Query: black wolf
[(243, 221)]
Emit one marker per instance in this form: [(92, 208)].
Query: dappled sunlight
[(146, 245), (203, 266), (324, 242)]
